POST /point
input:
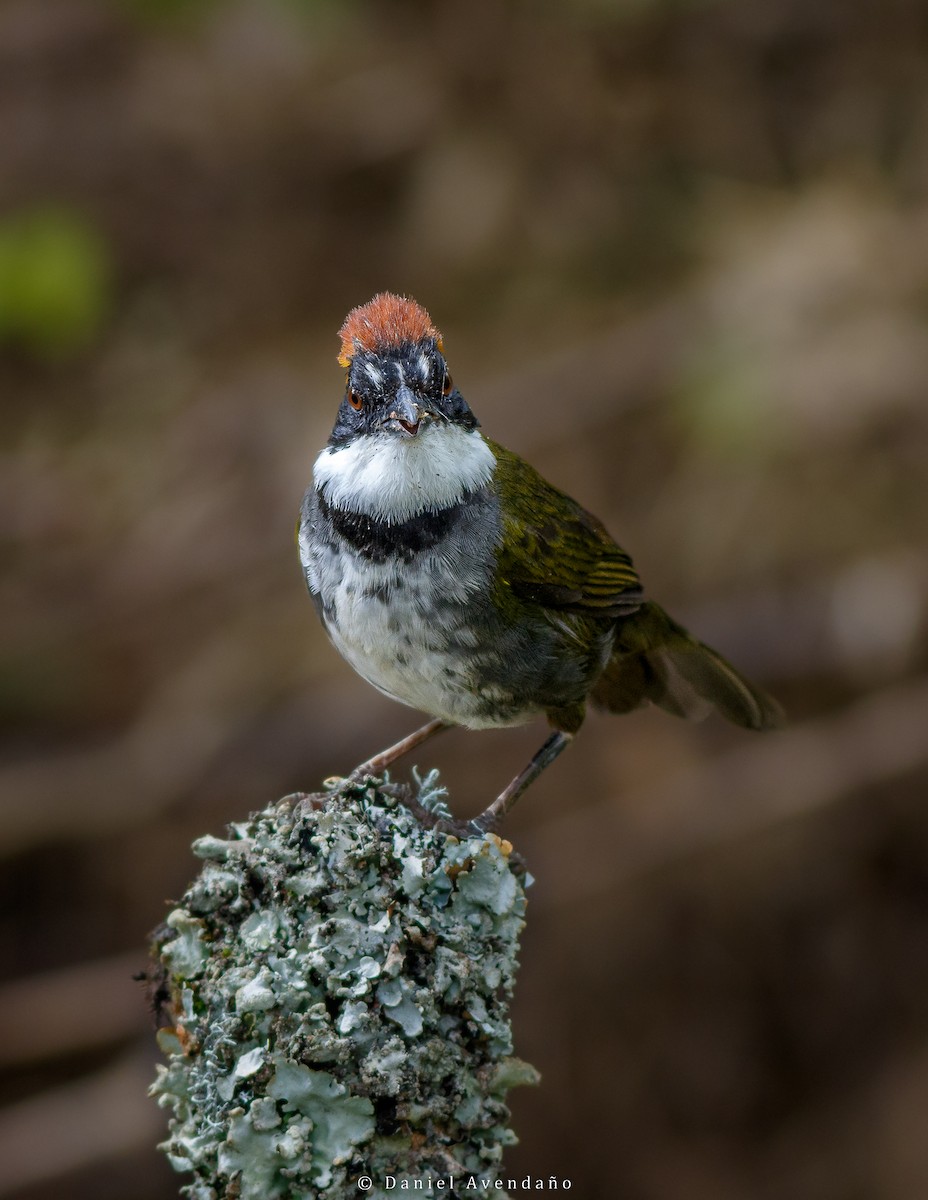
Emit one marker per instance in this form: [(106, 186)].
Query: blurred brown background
[(679, 253)]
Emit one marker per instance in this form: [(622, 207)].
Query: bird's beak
[(405, 415)]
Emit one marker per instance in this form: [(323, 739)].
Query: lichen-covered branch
[(337, 982)]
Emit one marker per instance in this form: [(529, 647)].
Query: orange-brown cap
[(382, 323)]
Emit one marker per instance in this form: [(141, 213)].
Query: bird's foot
[(468, 830), (360, 778), (361, 775), (462, 830)]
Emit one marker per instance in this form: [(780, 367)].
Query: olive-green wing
[(556, 554)]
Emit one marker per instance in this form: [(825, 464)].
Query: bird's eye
[(447, 386), (355, 400)]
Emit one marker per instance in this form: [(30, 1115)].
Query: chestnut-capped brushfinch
[(455, 579)]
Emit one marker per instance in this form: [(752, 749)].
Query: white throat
[(393, 478)]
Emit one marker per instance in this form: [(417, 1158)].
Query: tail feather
[(696, 670), (656, 660)]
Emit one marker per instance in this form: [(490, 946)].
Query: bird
[(455, 579)]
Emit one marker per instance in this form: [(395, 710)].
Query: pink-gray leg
[(491, 816), (379, 763)]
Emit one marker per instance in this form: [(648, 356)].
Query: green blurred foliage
[(55, 282), (722, 401)]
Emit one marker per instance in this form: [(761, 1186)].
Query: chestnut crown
[(398, 380)]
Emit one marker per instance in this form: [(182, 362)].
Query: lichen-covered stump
[(338, 980)]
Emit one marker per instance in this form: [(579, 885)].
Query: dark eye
[(355, 400), (447, 386)]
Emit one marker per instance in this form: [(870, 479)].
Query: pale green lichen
[(339, 977)]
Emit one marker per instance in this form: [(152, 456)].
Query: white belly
[(405, 630)]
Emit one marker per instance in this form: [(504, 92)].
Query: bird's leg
[(379, 763), (491, 816)]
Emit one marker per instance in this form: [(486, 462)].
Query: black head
[(398, 381)]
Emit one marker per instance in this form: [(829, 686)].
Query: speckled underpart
[(403, 599), (399, 603)]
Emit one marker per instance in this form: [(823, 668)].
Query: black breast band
[(380, 540)]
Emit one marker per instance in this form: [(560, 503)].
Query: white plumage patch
[(392, 478), (399, 643)]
